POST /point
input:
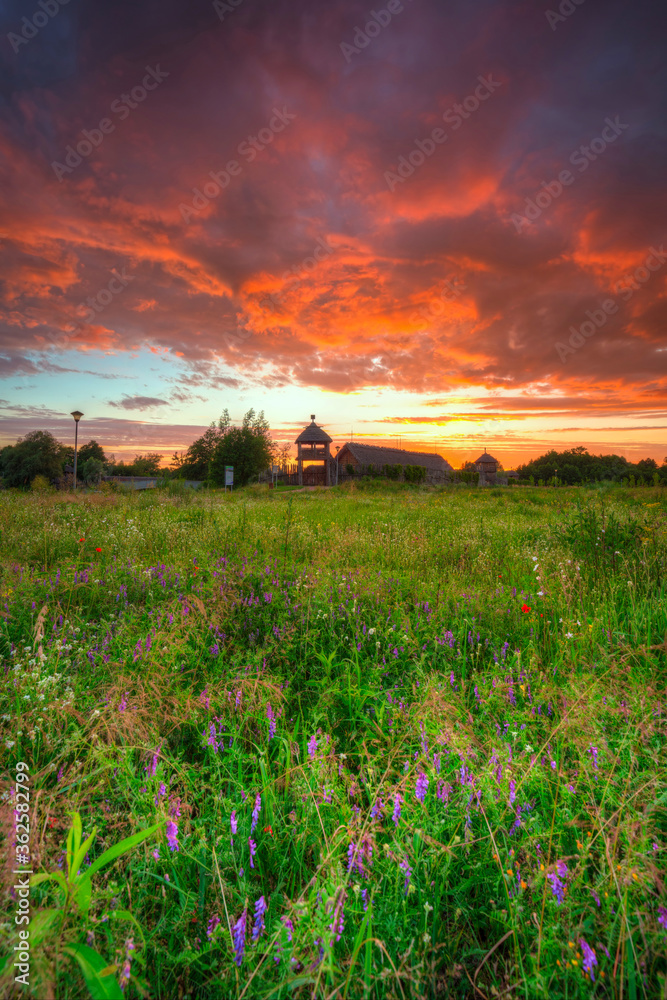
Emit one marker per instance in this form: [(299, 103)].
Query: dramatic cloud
[(138, 403), (472, 201)]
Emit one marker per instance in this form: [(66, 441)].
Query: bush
[(415, 473), (40, 484)]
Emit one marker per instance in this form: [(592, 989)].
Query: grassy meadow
[(368, 742)]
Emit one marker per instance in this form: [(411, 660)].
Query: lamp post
[(77, 417)]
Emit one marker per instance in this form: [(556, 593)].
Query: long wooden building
[(370, 457)]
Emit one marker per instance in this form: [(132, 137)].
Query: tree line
[(248, 448), (577, 466)]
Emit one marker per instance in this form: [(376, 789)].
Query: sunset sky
[(410, 225)]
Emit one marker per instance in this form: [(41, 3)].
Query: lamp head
[(77, 415)]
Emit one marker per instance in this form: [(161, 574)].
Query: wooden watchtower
[(314, 445)]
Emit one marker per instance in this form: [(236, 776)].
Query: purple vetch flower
[(662, 916), (255, 812), (172, 831), (174, 807), (589, 958), (233, 822), (124, 977), (205, 699), (561, 868), (289, 927), (238, 935), (253, 850), (212, 924), (312, 746), (258, 927), (396, 815), (377, 807), (337, 925), (557, 888), (364, 896), (272, 721), (443, 791), (595, 896), (408, 872), (156, 853), (512, 791), (153, 765), (123, 702), (421, 787)]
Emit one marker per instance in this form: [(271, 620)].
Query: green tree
[(91, 450), (196, 463), (37, 454), (147, 465), (91, 470), (248, 448)]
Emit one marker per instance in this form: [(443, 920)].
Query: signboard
[(229, 475), (275, 469)]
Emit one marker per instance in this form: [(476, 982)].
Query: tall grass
[(396, 743)]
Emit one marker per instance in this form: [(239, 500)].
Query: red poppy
[(98, 550), (268, 829), (524, 607), (82, 539)]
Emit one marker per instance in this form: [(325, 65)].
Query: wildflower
[(272, 721), (153, 765), (255, 812), (589, 958), (212, 924), (408, 872), (289, 927), (376, 809), (525, 608), (82, 539), (98, 550), (123, 702), (156, 853), (421, 787), (238, 935), (337, 925), (233, 822), (662, 915), (569, 635), (125, 971), (253, 850), (396, 815), (258, 927), (172, 831), (312, 746), (557, 888)]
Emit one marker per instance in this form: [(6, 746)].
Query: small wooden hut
[(487, 467), (314, 445)]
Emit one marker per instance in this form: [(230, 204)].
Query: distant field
[(366, 742)]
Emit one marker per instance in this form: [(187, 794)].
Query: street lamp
[(77, 417)]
